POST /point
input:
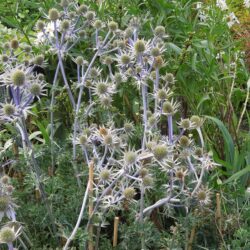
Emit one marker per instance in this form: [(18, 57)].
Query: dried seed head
[(4, 203), (159, 31), (9, 109), (5, 179), (180, 175), (105, 175), (40, 25), (7, 235), (90, 15), (113, 26), (103, 131), (35, 89), (53, 14), (129, 193), (14, 44), (155, 52), (125, 59), (97, 24), (184, 141), (139, 46), (158, 63), (130, 157), (65, 25), (38, 60), (197, 121), (160, 152)]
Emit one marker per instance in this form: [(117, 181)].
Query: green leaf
[(239, 174), (228, 141)]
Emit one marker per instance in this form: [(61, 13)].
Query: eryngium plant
[(121, 169)]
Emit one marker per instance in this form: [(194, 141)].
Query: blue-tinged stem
[(170, 129)]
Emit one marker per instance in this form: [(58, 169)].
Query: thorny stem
[(144, 100), (143, 246)]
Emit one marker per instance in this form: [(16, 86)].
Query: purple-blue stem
[(170, 129)]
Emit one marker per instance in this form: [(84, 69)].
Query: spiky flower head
[(14, 44), (64, 3), (185, 124), (130, 157), (106, 102), (180, 175), (167, 107), (108, 60), (79, 60), (10, 189), (38, 60), (105, 175), (7, 235), (53, 14), (35, 89), (162, 94), (203, 196), (113, 26), (27, 48), (40, 25), (169, 78), (65, 25), (125, 59), (128, 127), (197, 121), (6, 45), (139, 46), (18, 78), (90, 15), (128, 32), (159, 31), (129, 193), (101, 88), (158, 62), (184, 141), (98, 24), (4, 58), (155, 51), (83, 140), (4, 203), (82, 9), (5, 179), (8, 109), (148, 181), (108, 139), (143, 172), (198, 152), (160, 152)]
